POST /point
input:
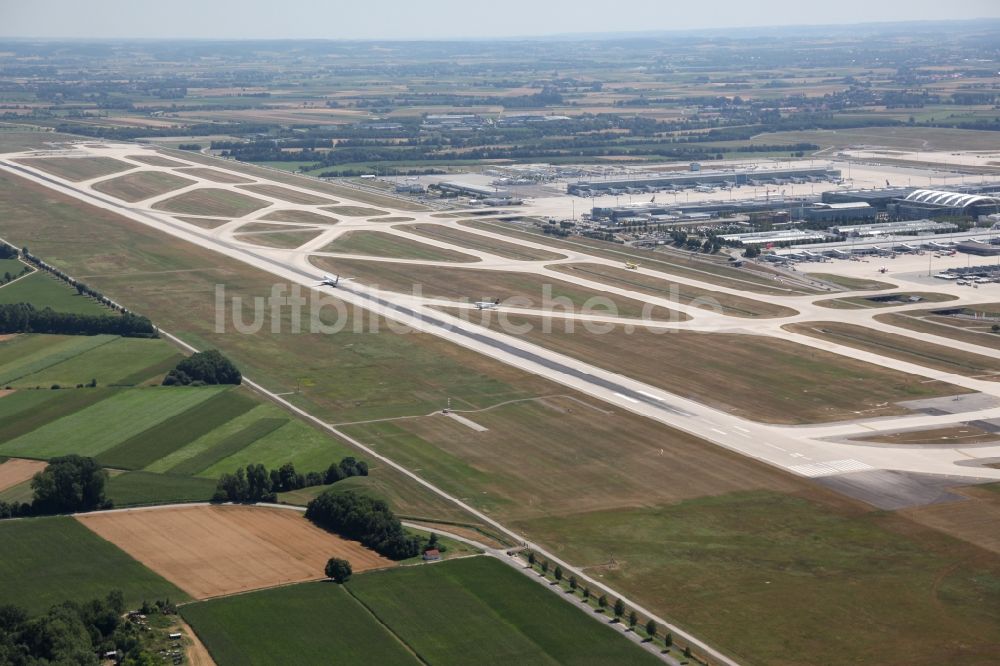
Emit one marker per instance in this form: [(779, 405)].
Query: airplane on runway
[(487, 305), (631, 265), (331, 280)]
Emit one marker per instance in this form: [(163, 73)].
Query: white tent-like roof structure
[(949, 199)]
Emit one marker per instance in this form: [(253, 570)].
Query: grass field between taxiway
[(304, 216), (852, 283), (903, 348), (693, 266), (44, 290), (832, 580), (761, 378), (483, 612), (482, 243), (313, 184), (923, 321), (141, 185), (514, 289), (45, 561), (77, 168), (380, 244), (861, 302), (286, 240), (716, 301), (287, 194), (211, 201)]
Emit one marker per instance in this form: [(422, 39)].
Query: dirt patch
[(18, 470), (7, 336), (973, 520), (210, 551), (195, 651)]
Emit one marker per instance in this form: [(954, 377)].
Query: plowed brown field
[(210, 551), (16, 470)]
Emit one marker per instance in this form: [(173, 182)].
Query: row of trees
[(68, 484), (257, 484), (201, 368), (81, 288), (618, 608), (362, 518), (26, 318)]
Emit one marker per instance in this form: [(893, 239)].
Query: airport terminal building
[(695, 178)]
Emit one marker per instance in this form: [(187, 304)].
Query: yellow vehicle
[(631, 265)]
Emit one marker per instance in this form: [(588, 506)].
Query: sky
[(444, 19)]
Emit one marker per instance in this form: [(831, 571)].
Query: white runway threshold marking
[(831, 467), (625, 397)]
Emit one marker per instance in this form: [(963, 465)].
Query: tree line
[(256, 483), (68, 484), (26, 318), (365, 519)]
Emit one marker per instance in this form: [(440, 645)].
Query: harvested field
[(17, 470), (156, 160), (903, 348), (209, 551), (355, 211), (378, 244), (303, 216), (463, 284), (141, 185), (482, 243), (286, 194), (211, 201), (214, 175), (734, 306), (727, 371), (77, 168)]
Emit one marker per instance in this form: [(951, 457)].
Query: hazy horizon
[(442, 19)]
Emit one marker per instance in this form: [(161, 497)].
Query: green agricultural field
[(378, 244), (25, 411), (77, 168), (211, 201), (27, 355), (229, 446), (309, 449), (119, 360), (142, 185), (136, 488), (316, 622), (97, 428), (45, 561), (167, 436), (43, 290), (835, 582), (473, 610), (12, 266), (487, 613)]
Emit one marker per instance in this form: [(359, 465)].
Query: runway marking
[(775, 446), (721, 432), (650, 395), (797, 455), (740, 429), (625, 397), (743, 434), (831, 467)]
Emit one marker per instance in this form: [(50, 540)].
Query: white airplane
[(331, 280), (487, 305)]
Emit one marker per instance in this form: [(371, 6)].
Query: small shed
[(432, 555)]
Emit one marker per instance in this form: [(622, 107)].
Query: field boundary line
[(689, 638), (367, 609)]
